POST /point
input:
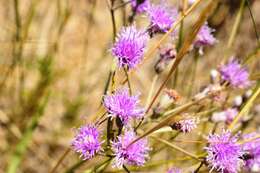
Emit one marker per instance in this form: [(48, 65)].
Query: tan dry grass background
[(81, 64)]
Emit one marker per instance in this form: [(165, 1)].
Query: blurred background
[(55, 61)]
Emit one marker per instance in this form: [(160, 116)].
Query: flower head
[(205, 36), (86, 141), (167, 54), (174, 170), (224, 154), (162, 17), (252, 150), (123, 105), (185, 125), (134, 154), (235, 74), (130, 46), (140, 6)]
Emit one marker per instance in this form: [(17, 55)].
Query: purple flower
[(174, 170), (224, 154), (134, 154), (123, 105), (252, 150), (130, 46), (86, 141), (235, 74), (185, 125), (140, 7), (162, 17), (167, 54), (205, 36)]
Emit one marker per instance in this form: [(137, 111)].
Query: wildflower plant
[(179, 102)]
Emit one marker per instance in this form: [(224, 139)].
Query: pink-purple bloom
[(252, 150), (135, 154), (205, 36), (235, 74), (86, 141), (185, 125), (130, 46), (161, 17), (224, 153), (124, 106), (167, 54), (141, 6)]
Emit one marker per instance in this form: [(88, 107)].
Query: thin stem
[(151, 90), (126, 170), (60, 161), (253, 21), (121, 5), (177, 148), (193, 74), (200, 166), (128, 80), (236, 24)]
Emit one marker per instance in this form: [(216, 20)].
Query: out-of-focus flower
[(130, 46), (226, 116), (185, 125), (174, 170), (124, 106), (167, 54), (161, 17), (230, 113), (86, 141), (140, 5), (134, 154), (235, 74), (252, 152), (224, 153), (204, 38)]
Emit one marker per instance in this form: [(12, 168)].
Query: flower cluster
[(127, 153), (224, 153)]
